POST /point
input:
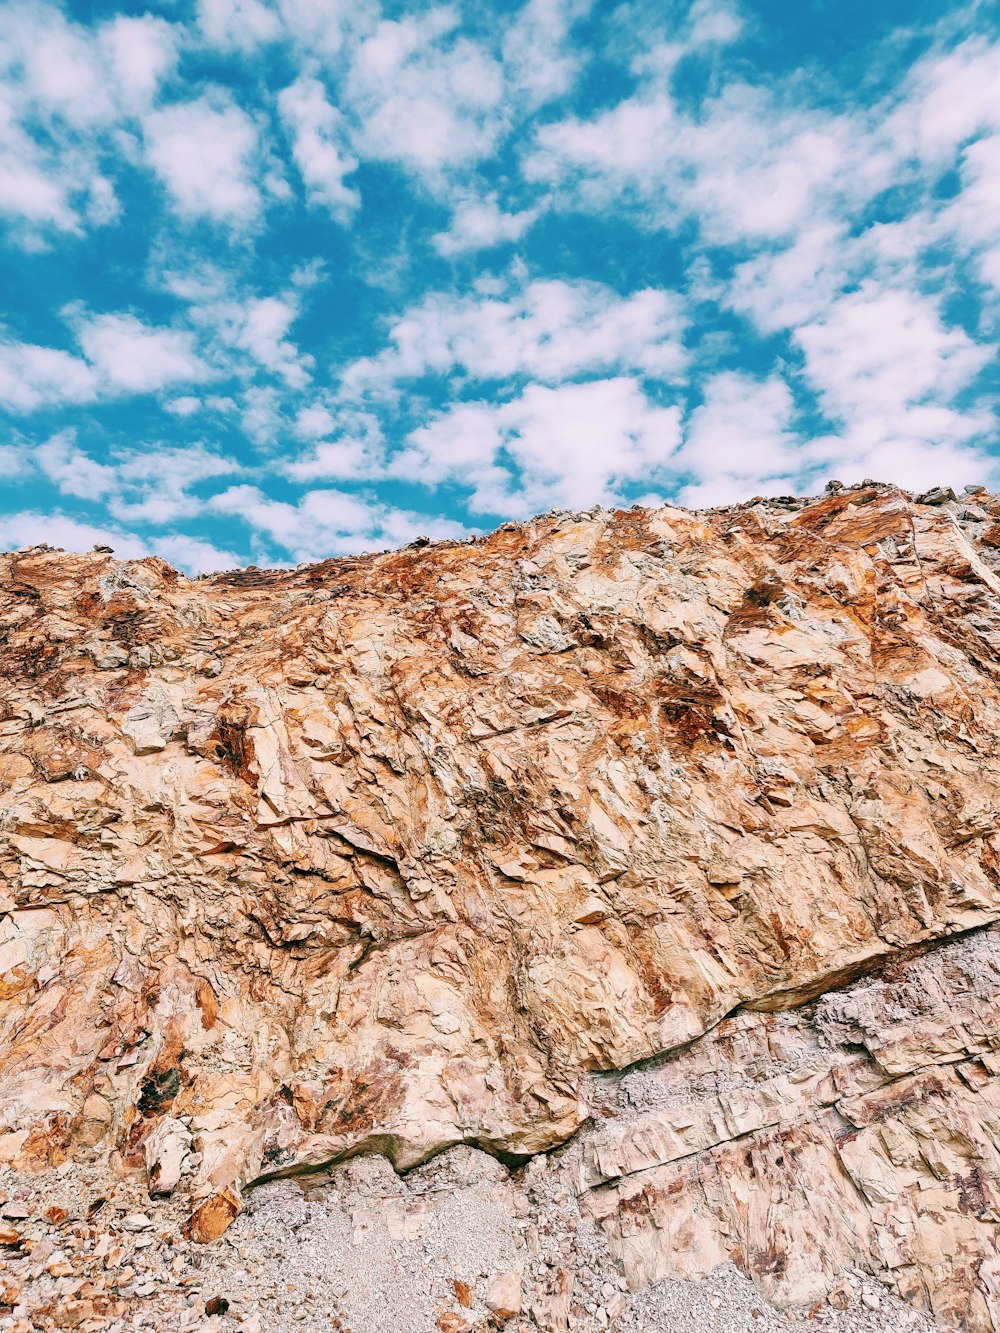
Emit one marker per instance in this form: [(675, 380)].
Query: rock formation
[(399, 852)]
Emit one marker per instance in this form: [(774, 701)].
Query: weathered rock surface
[(422, 849)]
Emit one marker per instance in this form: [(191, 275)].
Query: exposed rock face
[(405, 851), (863, 1130)]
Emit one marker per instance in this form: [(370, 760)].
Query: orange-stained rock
[(214, 1215)]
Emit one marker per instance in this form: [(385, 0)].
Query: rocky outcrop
[(862, 1131), (421, 849)]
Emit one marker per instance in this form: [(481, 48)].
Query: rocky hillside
[(665, 839)]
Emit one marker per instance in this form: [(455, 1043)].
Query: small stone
[(938, 495), (217, 1305), (463, 1293), (136, 1222), (503, 1297), (452, 1323), (9, 1235), (214, 1215), (840, 1296), (167, 1151), (15, 1212), (870, 1300)]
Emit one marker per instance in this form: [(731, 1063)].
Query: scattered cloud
[(32, 377), (153, 485), (206, 153), (320, 146), (572, 445), (237, 25), (479, 224), (34, 528), (739, 442), (290, 272), (330, 522), (127, 355), (549, 330), (425, 96)]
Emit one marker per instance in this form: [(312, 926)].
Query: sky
[(286, 279)]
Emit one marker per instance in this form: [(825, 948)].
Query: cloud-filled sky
[(284, 279)]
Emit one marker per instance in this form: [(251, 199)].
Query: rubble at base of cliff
[(590, 925)]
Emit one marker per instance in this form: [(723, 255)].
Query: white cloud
[(14, 462), (876, 353), (30, 189), (56, 65), (356, 454), (123, 355), (312, 423), (950, 97), (540, 60), (744, 168), (33, 528), (319, 146), (321, 27), (478, 224), (142, 53), (129, 356), (260, 415), (551, 330), (573, 445), (194, 555), (184, 406), (242, 333), (259, 326), (425, 97), (155, 486), (239, 25), (973, 217), (205, 153), (32, 377), (73, 471), (739, 442), (329, 522), (64, 88), (152, 486)]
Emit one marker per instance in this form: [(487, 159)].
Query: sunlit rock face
[(408, 850)]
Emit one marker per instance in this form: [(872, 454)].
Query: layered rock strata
[(399, 852)]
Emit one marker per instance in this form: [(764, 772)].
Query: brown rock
[(463, 1293), (449, 1322), (214, 1215)]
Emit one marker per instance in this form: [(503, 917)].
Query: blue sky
[(285, 279)]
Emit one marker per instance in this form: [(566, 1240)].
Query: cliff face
[(427, 848)]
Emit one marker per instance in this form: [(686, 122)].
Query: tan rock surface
[(406, 851)]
